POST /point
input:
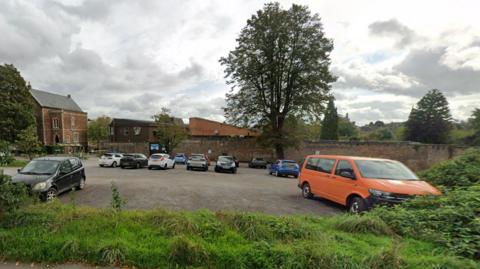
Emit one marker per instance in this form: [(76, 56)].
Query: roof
[(353, 158), (178, 121), (52, 100)]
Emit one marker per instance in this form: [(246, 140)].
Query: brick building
[(202, 127), (128, 130), (60, 121)]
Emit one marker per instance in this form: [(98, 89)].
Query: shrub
[(462, 171), (51, 149), (10, 195)]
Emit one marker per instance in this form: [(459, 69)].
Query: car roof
[(284, 160), (353, 158), (54, 158)]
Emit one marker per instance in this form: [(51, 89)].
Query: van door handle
[(327, 176)]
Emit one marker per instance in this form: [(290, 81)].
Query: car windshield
[(107, 155), (40, 167), (179, 154), (385, 170), (225, 159)]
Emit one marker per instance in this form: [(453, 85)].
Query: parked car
[(161, 160), (197, 161), (226, 163), (359, 182), (136, 160), (180, 158), (110, 159), (284, 168), (237, 162), (50, 176), (257, 162)]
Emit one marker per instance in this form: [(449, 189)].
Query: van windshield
[(385, 170)]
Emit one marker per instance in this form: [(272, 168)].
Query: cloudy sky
[(128, 59)]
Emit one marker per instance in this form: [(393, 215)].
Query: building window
[(75, 138), (125, 130), (55, 123), (73, 121), (68, 138)]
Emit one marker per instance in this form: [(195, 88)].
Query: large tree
[(346, 129), (99, 130), (430, 121), (330, 123), (28, 142), (169, 132), (16, 105), (280, 67)]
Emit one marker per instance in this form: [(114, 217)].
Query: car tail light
[(110, 158), (190, 159), (133, 160), (149, 159), (280, 164), (202, 160), (297, 166), (162, 159)]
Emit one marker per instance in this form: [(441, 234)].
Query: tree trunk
[(279, 151)]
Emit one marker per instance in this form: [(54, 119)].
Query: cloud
[(393, 28)]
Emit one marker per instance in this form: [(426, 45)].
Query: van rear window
[(320, 164)]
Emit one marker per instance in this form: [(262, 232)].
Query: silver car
[(197, 161)]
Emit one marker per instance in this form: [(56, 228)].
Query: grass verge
[(54, 233), (16, 164)]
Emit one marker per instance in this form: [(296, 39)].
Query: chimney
[(69, 96), (29, 86)]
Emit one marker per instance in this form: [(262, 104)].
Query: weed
[(117, 202), (184, 252), (362, 224), (115, 252), (73, 200)]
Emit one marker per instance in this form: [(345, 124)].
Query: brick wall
[(416, 156), (203, 127)]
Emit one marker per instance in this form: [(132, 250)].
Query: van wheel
[(357, 205), (306, 192)]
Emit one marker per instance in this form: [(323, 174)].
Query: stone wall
[(416, 156)]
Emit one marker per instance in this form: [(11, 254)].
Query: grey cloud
[(83, 60), (366, 112), (90, 9), (393, 28), (195, 70)]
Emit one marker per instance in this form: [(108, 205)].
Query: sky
[(128, 59)]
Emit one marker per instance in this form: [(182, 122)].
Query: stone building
[(60, 121)]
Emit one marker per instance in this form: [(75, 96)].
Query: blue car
[(284, 168), (180, 158)]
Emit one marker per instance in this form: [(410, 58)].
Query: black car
[(257, 162), (225, 163), (50, 176), (237, 162), (135, 160)]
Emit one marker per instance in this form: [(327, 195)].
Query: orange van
[(359, 182)]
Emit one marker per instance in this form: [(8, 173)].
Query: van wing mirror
[(347, 175)]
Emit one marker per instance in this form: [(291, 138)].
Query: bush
[(463, 171), (51, 149), (10, 195)]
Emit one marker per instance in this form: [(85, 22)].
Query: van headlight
[(40, 186), (382, 194)]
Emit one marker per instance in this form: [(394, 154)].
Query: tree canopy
[(279, 68), (99, 129), (17, 107), (28, 141), (330, 123), (430, 121), (169, 132)]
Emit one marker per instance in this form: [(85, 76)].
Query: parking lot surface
[(251, 190)]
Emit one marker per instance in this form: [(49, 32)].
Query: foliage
[(5, 153), (330, 123), (28, 142), (98, 130), (346, 128), (279, 68), (52, 233), (463, 171), (474, 124), (52, 149), (430, 121), (169, 132), (17, 107), (117, 201), (11, 195)]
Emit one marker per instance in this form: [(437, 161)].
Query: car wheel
[(149, 168), (206, 168), (264, 167), (51, 195), (295, 176), (101, 165), (277, 174), (81, 184), (216, 169), (123, 167), (173, 166), (306, 192), (114, 164), (165, 167), (137, 165), (234, 171), (357, 205), (269, 172), (188, 168), (249, 165)]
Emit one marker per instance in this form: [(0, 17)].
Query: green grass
[(16, 164), (53, 233)]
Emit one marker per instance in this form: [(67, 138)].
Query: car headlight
[(382, 194), (40, 186)]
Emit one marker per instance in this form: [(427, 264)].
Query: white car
[(161, 160), (110, 159)]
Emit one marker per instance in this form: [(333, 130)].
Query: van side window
[(344, 166), (326, 165), (312, 164)]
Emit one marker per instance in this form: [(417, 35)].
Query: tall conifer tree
[(330, 123)]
